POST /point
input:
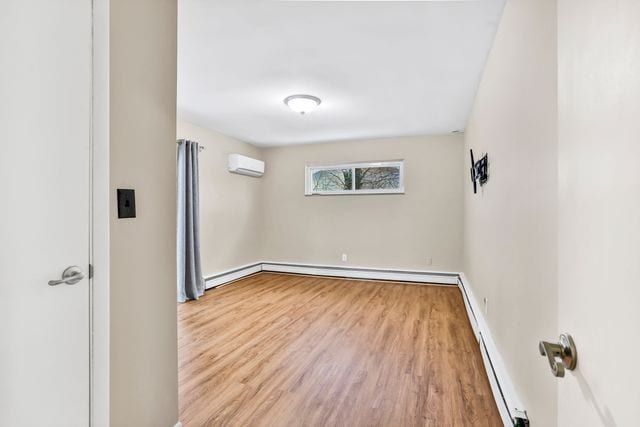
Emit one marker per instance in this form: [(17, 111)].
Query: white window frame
[(310, 169)]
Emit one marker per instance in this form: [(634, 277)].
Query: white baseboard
[(227, 276), (507, 400), (439, 277)]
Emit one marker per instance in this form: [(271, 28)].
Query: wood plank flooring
[(286, 350)]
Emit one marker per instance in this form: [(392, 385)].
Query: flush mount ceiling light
[(302, 104)]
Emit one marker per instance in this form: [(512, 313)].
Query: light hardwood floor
[(287, 350)]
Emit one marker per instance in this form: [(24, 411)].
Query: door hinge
[(90, 271)]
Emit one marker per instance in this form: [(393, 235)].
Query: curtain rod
[(200, 147)]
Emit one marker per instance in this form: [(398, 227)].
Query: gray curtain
[(190, 280)]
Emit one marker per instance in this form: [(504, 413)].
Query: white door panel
[(599, 204), (45, 134)]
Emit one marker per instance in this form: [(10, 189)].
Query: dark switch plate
[(126, 203)]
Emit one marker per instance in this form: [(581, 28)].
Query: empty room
[(321, 176), (315, 213)]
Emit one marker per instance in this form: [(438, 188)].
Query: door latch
[(70, 276), (565, 350)]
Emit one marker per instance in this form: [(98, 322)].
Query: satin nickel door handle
[(70, 276), (565, 350)]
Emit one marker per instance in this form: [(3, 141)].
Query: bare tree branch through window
[(379, 177)]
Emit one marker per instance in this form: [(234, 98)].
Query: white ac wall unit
[(245, 165)]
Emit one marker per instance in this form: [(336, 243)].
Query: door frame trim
[(100, 208)]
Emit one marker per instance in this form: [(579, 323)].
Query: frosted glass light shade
[(302, 104)]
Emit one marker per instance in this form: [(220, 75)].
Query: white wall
[(510, 253), (385, 231), (143, 361), (231, 205), (246, 220), (599, 218)]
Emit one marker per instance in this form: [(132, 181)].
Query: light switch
[(126, 203)]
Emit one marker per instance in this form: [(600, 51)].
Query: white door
[(599, 223), (45, 139)]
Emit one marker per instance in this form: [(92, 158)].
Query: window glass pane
[(378, 178), (332, 179)]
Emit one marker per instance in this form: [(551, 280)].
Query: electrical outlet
[(429, 261), (344, 257), (486, 305)]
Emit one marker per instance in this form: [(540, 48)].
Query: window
[(356, 178)]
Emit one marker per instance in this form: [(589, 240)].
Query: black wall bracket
[(479, 171)]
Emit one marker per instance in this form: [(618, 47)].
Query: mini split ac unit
[(245, 165)]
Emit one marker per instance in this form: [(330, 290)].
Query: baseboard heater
[(509, 405), (438, 277)]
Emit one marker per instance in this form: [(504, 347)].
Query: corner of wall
[(142, 127), (510, 248)]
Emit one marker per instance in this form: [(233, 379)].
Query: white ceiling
[(381, 68)]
